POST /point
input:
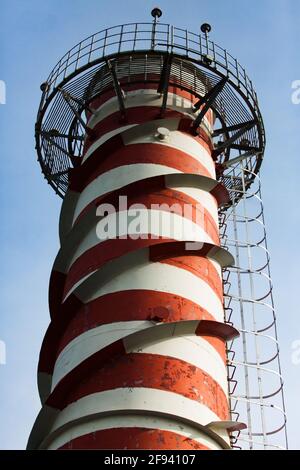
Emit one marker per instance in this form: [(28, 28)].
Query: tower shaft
[(152, 135), (137, 338)]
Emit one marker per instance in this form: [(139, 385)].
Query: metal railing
[(158, 37)]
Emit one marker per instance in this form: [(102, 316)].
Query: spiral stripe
[(137, 321)]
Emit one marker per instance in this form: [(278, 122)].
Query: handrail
[(132, 37)]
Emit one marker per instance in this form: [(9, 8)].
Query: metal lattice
[(135, 52)]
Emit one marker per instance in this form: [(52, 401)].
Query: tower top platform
[(167, 56)]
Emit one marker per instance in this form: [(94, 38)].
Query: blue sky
[(263, 35)]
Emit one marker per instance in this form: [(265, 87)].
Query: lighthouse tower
[(139, 130)]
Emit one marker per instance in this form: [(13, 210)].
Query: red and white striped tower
[(135, 354)]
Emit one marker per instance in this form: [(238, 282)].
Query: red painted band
[(134, 370), (157, 154), (160, 249), (171, 249), (94, 258), (201, 267), (173, 201), (76, 318), (133, 439), (185, 125), (134, 115), (152, 185), (127, 87), (57, 398)]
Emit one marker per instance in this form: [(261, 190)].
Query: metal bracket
[(77, 100), (49, 135), (55, 144), (246, 126), (206, 101), (119, 92), (68, 99), (56, 133), (227, 129), (57, 175), (164, 82), (237, 159)]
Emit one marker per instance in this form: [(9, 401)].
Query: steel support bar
[(227, 129), (163, 85), (118, 90), (57, 175), (206, 101), (227, 143), (55, 133), (77, 100), (245, 148), (237, 159), (68, 98), (55, 144)]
